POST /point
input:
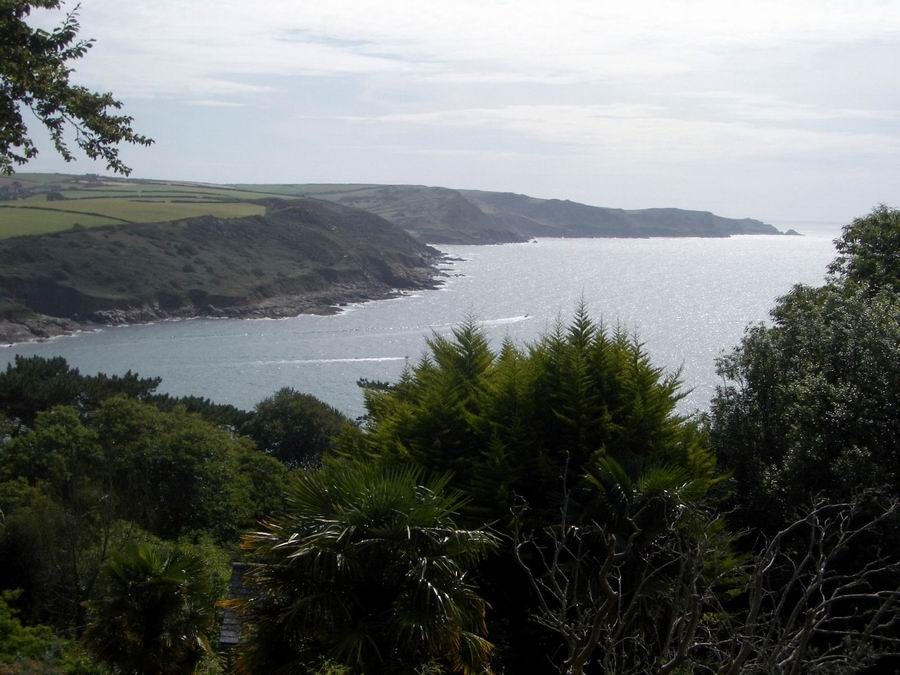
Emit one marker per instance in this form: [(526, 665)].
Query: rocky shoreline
[(41, 327)]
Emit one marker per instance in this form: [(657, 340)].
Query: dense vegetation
[(814, 405), (538, 508), (107, 487)]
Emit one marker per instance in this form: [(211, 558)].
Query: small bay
[(687, 299)]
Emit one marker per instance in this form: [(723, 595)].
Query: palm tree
[(154, 613), (366, 570)]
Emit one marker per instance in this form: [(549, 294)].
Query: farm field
[(15, 222), (42, 204)]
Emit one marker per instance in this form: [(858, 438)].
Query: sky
[(786, 110)]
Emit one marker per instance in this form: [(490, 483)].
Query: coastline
[(35, 328)]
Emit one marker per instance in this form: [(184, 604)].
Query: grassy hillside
[(45, 203), (432, 214), (299, 255), (445, 216)]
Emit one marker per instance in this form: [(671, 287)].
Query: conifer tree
[(507, 423), (567, 425)]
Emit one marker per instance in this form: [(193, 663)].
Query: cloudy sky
[(783, 110)]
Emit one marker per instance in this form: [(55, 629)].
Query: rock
[(35, 327)]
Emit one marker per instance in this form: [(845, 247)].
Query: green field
[(55, 202), (16, 222)]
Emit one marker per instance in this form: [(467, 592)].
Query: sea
[(689, 300)]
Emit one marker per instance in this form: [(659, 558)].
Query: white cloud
[(171, 46), (645, 133), (737, 105), (214, 103)]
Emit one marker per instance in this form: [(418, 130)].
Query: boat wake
[(297, 362), (506, 320), (487, 322)]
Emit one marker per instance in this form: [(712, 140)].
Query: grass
[(18, 222), (92, 202), (173, 189), (314, 189), (42, 217)]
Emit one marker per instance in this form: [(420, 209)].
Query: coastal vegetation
[(518, 508), (46, 203), (366, 569), (514, 508)]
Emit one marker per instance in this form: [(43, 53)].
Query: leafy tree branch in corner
[(35, 75)]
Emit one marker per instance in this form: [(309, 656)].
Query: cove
[(687, 299)]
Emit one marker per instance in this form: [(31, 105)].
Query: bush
[(296, 428), (35, 649)]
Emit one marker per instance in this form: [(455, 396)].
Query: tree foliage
[(154, 613), (808, 414), (36, 649), (810, 405), (296, 428), (579, 422), (367, 569), (636, 586), (813, 605), (75, 490), (531, 508), (507, 424), (869, 251), (169, 472), (32, 384), (35, 72)]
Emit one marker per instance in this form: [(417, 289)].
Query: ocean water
[(687, 299)]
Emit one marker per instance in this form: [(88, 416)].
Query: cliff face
[(445, 216), (301, 256)]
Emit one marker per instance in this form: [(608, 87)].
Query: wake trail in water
[(506, 320), (488, 322), (293, 362)]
